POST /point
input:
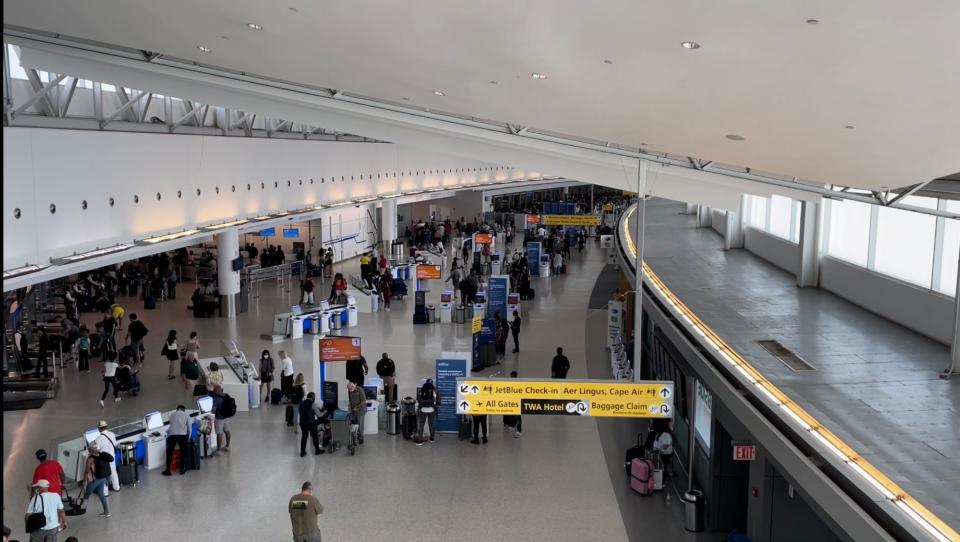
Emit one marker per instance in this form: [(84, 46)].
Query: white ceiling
[(888, 68)]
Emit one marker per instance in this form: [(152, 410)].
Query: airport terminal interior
[(492, 271)]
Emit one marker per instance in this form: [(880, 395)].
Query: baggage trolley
[(343, 431)]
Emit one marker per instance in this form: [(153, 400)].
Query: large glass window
[(757, 215), (951, 252), (849, 236), (781, 217), (905, 242)]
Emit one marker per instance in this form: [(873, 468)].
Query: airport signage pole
[(638, 295)]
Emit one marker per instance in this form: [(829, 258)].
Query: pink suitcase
[(641, 476)]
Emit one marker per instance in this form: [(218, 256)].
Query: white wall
[(719, 221), (779, 252), (923, 311), (467, 204), (64, 167)]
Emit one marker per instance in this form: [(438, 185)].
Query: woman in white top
[(109, 372), (172, 352), (214, 377)]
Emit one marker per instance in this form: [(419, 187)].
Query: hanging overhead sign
[(428, 272), (570, 220), (597, 398)]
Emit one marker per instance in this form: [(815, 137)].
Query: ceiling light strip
[(73, 258), (167, 237), (23, 270), (927, 520), (215, 227)]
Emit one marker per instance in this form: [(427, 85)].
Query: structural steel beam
[(40, 94)]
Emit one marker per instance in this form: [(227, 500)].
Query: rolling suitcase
[(288, 416), (464, 428), (641, 476), (409, 424), (129, 474), (191, 460), (276, 395), (634, 452)]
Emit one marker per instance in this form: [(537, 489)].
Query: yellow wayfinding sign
[(598, 398), (570, 220)]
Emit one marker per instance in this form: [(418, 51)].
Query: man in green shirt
[(304, 509)]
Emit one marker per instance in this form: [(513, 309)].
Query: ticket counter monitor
[(154, 441), (446, 307)]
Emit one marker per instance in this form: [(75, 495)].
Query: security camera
[(357, 206)]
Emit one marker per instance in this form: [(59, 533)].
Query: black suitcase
[(129, 474), (634, 452), (191, 458), (276, 395), (530, 293), (464, 430), (149, 302), (409, 424), (289, 414)]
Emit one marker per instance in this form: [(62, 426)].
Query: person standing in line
[(189, 366), (136, 331), (310, 416), (221, 421), (387, 370), (500, 336), (297, 392), (214, 376), (356, 370), (83, 350), (560, 365), (100, 465), (107, 442), (513, 422), (515, 330), (109, 372), (50, 470), (178, 434), (50, 505), (428, 399), (304, 510), (286, 372), (171, 351), (266, 373), (358, 406), (479, 425)]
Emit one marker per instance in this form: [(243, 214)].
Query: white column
[(388, 224), (955, 348), (228, 280), (704, 216), (808, 264), (691, 209), (638, 239)]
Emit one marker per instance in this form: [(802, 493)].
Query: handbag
[(37, 520), (199, 389)]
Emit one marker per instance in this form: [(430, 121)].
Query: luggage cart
[(343, 431)]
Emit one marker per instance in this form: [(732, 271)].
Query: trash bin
[(128, 453), (432, 314), (459, 315), (693, 511), (468, 312), (336, 320), (393, 418)]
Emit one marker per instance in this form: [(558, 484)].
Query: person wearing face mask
[(266, 373)]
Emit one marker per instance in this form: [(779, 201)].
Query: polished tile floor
[(876, 383), (554, 483)]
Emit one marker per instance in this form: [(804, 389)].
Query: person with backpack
[(136, 331), (224, 408), (100, 464), (171, 351), (311, 415), (358, 406), (387, 370), (428, 399), (266, 373), (307, 286), (83, 350)]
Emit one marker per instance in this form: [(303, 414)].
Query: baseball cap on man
[(41, 483), (103, 424)]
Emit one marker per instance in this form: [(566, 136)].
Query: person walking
[(560, 365), (386, 288), (358, 406), (266, 373), (286, 372), (49, 504), (387, 370), (310, 414), (304, 510), (107, 442), (500, 336), (178, 434), (109, 372), (515, 331), (307, 286), (428, 400), (171, 351), (100, 465), (136, 331), (50, 470)]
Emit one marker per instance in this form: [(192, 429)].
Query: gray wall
[(921, 310), (780, 252)]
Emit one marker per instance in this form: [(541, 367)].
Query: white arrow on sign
[(475, 389), (464, 406)]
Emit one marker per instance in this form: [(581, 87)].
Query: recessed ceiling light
[(813, 21), (849, 127), (254, 26), (492, 82), (293, 9), (536, 75), (404, 98), (690, 45), (224, 37), (735, 137), (439, 93), (607, 61), (203, 49)]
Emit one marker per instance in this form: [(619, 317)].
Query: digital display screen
[(339, 348), (291, 233), (153, 420), (268, 232), (205, 404)]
